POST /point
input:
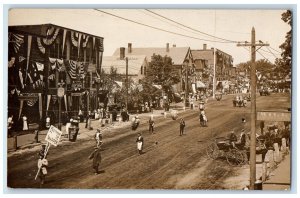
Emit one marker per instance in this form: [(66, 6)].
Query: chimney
[(204, 46), (174, 45), (129, 47), (122, 52), (167, 48)]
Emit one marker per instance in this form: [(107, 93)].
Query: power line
[(275, 50), (187, 36), (231, 41), (272, 52), (158, 18)]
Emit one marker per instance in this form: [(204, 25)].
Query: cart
[(222, 148)]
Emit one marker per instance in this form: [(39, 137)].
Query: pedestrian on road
[(151, 125), (98, 138), (96, 156), (140, 143), (42, 166), (182, 125)]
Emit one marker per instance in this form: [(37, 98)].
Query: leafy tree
[(160, 72), (285, 62), (263, 66)]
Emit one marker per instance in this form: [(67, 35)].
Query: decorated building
[(44, 58), (224, 70)]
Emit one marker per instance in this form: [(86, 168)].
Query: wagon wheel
[(235, 157), (212, 151)]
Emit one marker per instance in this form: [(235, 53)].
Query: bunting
[(17, 40), (75, 69), (51, 36), (33, 101), (40, 45), (21, 58), (101, 48), (85, 40)]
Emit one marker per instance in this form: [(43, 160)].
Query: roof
[(134, 64), (41, 29), (204, 54), (178, 54)]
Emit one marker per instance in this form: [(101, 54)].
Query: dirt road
[(170, 161)]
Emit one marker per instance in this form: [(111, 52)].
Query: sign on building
[(53, 135), (280, 116)]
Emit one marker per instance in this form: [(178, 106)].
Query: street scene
[(149, 99)]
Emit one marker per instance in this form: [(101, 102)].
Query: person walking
[(151, 125), (182, 125), (98, 138), (140, 143), (96, 156), (42, 166)]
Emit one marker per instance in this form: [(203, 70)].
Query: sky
[(233, 25)]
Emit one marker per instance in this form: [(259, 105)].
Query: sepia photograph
[(149, 98)]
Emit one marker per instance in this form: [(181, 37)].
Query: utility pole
[(126, 84), (214, 74), (253, 105)]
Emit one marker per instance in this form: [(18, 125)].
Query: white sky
[(230, 24)]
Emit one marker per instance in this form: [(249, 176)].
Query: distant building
[(137, 65), (204, 59), (180, 56)]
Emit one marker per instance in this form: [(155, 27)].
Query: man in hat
[(98, 138), (96, 156), (151, 124), (232, 138), (181, 126)]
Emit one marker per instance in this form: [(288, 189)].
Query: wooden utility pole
[(126, 83), (253, 105)]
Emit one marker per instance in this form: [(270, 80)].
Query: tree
[(160, 72), (263, 66), (285, 62)]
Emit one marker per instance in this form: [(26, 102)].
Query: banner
[(53, 136)]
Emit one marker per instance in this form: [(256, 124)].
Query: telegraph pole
[(126, 84), (253, 105)]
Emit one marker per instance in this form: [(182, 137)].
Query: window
[(142, 70)]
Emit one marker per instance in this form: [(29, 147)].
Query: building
[(180, 57), (137, 65), (43, 58), (204, 61)]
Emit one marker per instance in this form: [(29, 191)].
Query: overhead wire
[(271, 52), (166, 21), (231, 41), (160, 29)]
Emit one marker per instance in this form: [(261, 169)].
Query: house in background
[(180, 56), (137, 65)]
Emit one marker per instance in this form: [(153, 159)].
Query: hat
[(98, 130), (231, 131)]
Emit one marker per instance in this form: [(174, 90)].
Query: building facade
[(44, 58)]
